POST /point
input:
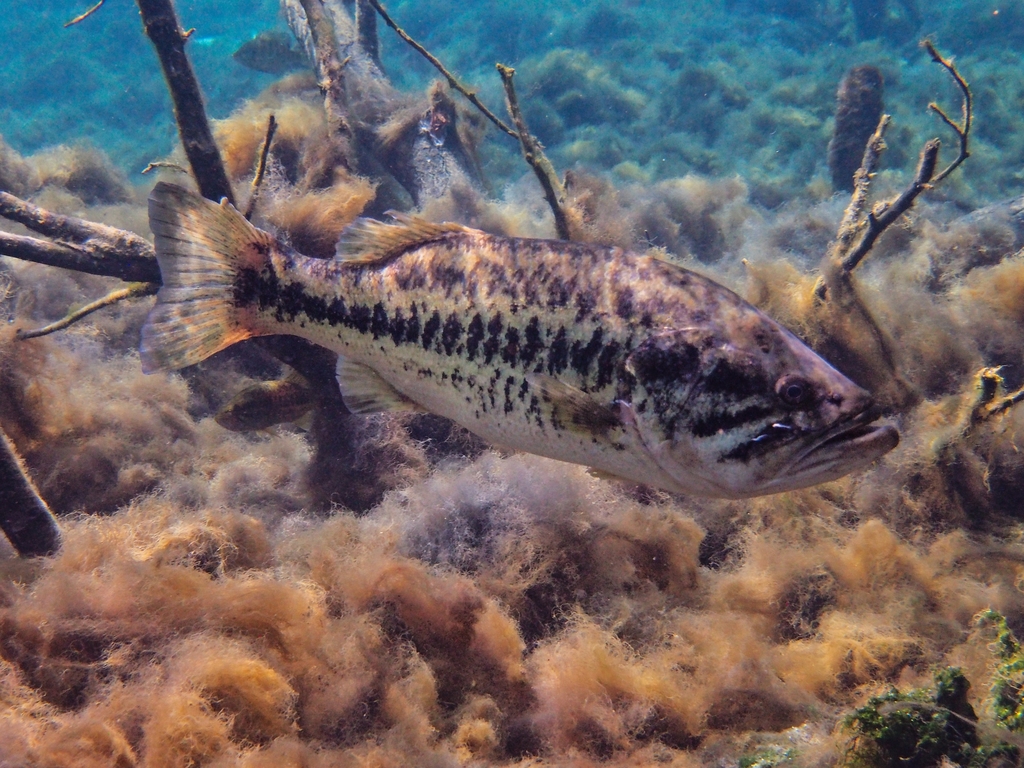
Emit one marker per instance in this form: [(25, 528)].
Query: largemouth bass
[(267, 403), (625, 363)]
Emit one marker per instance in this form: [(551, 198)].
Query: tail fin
[(200, 246)]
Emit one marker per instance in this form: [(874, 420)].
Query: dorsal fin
[(368, 241)]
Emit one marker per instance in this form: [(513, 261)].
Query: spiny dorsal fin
[(575, 406), (367, 241), (364, 391)]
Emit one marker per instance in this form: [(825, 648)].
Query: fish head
[(744, 408)]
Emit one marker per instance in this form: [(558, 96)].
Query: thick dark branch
[(554, 192), (161, 24), (81, 245), (24, 516), (124, 244), (452, 80), (329, 66), (91, 258)]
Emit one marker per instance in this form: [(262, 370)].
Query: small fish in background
[(270, 52), (267, 403), (589, 354)]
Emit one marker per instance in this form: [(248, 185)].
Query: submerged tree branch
[(24, 516), (91, 258), (84, 246), (133, 291), (329, 66), (72, 229), (261, 168), (554, 191), (846, 254), (884, 214), (963, 131), (161, 25), (366, 29), (83, 16)]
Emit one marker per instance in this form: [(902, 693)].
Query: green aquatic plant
[(921, 728), (1008, 680)]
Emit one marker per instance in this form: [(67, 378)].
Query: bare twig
[(133, 291), (261, 168), (161, 25), (86, 15), (452, 80), (963, 131), (329, 66), (163, 164), (853, 216), (554, 191), (24, 516)]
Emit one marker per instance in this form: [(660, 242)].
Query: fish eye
[(794, 390)]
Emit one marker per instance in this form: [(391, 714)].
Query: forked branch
[(533, 152)]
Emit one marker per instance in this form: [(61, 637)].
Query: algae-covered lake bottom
[(386, 590)]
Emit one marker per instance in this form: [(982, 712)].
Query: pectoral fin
[(364, 391), (573, 407)]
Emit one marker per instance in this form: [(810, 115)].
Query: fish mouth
[(846, 447)]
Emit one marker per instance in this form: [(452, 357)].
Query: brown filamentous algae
[(589, 354)]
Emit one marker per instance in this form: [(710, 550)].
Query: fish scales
[(580, 352), (475, 314)]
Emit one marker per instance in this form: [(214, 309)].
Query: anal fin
[(600, 474), (364, 391)]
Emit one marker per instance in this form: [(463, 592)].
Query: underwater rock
[(858, 109)]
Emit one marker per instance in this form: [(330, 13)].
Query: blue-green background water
[(640, 90)]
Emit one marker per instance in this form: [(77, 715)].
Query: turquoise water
[(653, 89), (385, 591)]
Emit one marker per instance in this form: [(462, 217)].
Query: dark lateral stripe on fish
[(516, 347)]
